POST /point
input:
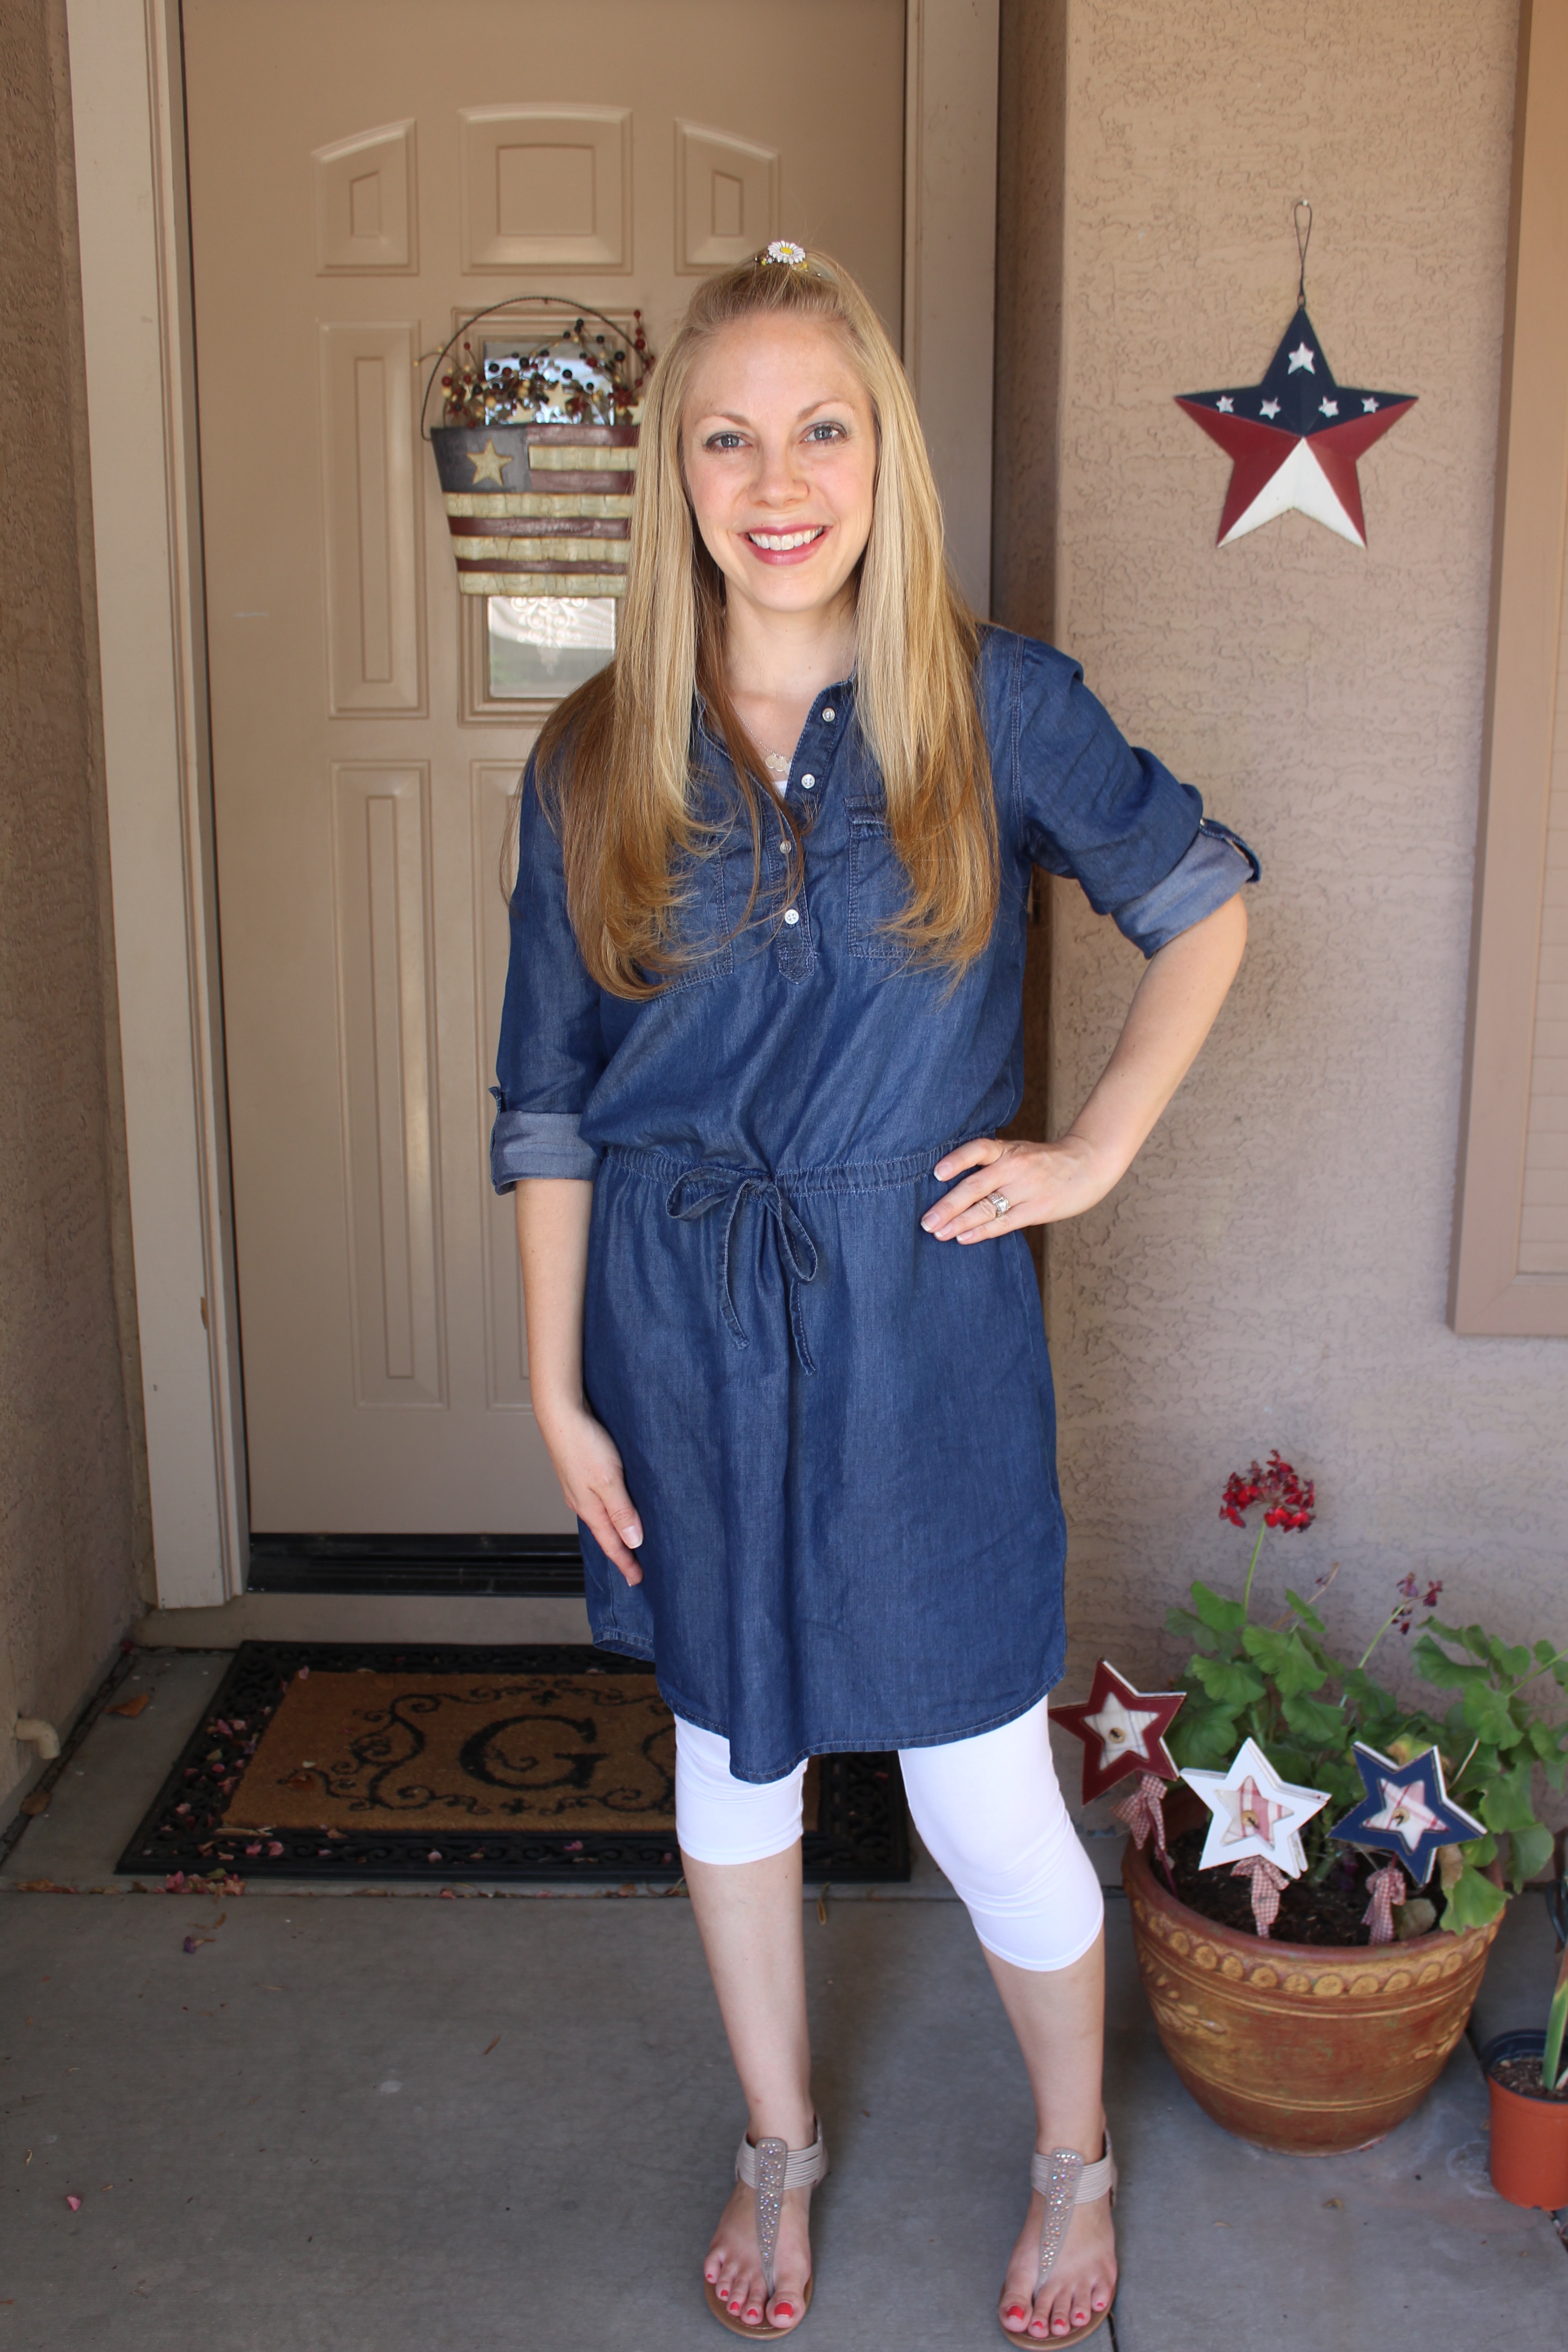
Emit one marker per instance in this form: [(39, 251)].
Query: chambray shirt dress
[(839, 1433)]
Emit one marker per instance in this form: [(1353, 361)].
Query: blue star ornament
[(1405, 1810), (1294, 439)]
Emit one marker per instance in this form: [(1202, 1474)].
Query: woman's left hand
[(1041, 1183)]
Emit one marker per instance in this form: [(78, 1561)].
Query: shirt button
[(828, 716), (790, 916), (807, 782)]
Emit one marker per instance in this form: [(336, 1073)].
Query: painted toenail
[(785, 2311)]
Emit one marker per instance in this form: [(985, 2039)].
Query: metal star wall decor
[(1294, 440), (1253, 1811), (1122, 1730), (1406, 1809)]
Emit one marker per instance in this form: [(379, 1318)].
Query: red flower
[(1290, 1501)]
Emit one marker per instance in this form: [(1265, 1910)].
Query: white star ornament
[(1253, 1811)]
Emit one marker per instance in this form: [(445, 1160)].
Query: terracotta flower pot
[(1528, 2137), (1310, 2049)]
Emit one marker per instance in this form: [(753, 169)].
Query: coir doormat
[(331, 1760)]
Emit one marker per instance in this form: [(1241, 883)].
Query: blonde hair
[(614, 758)]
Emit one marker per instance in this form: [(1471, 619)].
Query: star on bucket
[(1406, 1811), (488, 463), (1253, 1811), (1290, 446), (1122, 1729)]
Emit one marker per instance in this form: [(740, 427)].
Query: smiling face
[(779, 444)]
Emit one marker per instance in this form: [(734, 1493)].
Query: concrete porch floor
[(382, 2125)]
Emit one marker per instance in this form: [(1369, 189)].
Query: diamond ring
[(1000, 1202)]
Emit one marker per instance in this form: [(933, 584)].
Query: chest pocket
[(878, 890)]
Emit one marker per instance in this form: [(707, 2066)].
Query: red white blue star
[(1406, 1811), (1294, 438)]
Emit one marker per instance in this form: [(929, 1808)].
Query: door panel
[(364, 175)]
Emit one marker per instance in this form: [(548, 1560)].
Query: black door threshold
[(465, 1566)]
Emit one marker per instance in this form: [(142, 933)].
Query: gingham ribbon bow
[(1388, 1890), (1268, 1882), (1143, 1811)]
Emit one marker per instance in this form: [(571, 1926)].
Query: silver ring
[(1000, 1202)]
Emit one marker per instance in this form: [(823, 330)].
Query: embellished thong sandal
[(1064, 2180), (770, 2169)]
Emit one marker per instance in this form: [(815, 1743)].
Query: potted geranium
[(1312, 1916)]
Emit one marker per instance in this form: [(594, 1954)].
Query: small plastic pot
[(1528, 2137)]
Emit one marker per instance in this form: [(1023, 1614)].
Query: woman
[(761, 1023)]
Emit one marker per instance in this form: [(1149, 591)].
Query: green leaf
[(1284, 1658), (1315, 1720), (1190, 1628), (1506, 1804), (1529, 1854), (1449, 1674), (1510, 1661), (1544, 1652), (1444, 1633), (1473, 1901), (1204, 1735), (1478, 1642), (1488, 1715), (1233, 1683), (1220, 1615), (1307, 1614)]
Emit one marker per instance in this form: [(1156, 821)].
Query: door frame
[(128, 116)]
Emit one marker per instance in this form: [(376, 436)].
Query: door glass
[(546, 645)]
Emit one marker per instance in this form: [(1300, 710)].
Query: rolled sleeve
[(552, 1051), (538, 1144), (1212, 871), (1091, 806)]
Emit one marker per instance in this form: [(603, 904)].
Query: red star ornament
[(1122, 1730), (1294, 440)]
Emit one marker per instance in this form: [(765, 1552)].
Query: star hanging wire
[(1122, 1730), (1253, 1811), (1294, 440), (1406, 1811)]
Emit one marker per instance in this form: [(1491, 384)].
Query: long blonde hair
[(614, 758)]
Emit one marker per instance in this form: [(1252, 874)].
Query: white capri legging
[(988, 1809)]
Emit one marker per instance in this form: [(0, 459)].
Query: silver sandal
[(1064, 2180), (770, 2169)]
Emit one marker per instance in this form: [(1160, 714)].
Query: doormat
[(341, 1760)]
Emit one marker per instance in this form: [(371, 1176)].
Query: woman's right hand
[(587, 1461)]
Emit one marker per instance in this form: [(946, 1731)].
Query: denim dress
[(839, 1434)]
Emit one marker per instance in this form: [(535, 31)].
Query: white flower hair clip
[(782, 249)]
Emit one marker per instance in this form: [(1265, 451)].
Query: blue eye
[(825, 431), (722, 441)]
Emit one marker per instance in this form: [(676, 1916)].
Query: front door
[(364, 175)]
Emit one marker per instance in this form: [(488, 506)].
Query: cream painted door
[(364, 174)]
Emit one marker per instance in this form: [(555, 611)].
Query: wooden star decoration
[(1253, 1811), (1122, 1730), (1406, 1811), (489, 464), (1294, 440)]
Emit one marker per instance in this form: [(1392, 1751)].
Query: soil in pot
[(1522, 2076), (1326, 1913)]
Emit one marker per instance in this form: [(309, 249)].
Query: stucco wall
[(68, 1506), (1273, 1272)]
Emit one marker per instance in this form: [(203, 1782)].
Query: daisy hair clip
[(784, 249)]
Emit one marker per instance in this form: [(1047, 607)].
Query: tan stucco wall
[(1274, 1269), (68, 1503)]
